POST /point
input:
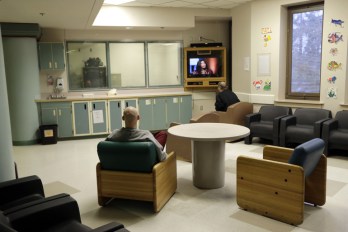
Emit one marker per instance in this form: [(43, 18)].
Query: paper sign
[(98, 116)]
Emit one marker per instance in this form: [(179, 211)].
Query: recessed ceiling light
[(116, 2)]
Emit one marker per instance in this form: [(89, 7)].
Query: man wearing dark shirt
[(225, 97)]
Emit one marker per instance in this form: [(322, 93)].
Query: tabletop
[(209, 131)]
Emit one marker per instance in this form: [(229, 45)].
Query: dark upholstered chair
[(278, 185), (59, 215), (130, 170), (19, 191), (335, 132), (305, 124), (266, 123)]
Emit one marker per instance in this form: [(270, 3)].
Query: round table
[(208, 150)]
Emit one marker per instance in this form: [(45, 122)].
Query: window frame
[(300, 95), (146, 62)]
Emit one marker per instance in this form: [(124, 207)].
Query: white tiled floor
[(69, 166)]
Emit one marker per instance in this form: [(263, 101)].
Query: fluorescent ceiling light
[(116, 2)]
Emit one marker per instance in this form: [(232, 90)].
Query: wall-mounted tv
[(204, 67)]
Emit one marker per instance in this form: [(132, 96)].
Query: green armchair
[(130, 170)]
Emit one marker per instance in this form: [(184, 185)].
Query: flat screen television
[(204, 66)]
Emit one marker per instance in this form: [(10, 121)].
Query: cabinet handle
[(118, 104), (50, 64), (85, 106), (54, 112), (93, 106), (59, 112), (55, 65), (126, 104)]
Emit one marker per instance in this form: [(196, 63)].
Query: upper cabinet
[(51, 56)]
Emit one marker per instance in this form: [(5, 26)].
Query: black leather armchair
[(335, 132), (304, 125), (59, 215), (266, 123), (19, 191)]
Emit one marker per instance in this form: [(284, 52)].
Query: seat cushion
[(263, 129), (299, 133), (339, 138), (307, 155), (69, 226)]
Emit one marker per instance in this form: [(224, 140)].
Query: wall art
[(335, 37), (334, 51), (332, 79), (257, 84), (267, 86), (333, 66), (337, 22), (332, 92)]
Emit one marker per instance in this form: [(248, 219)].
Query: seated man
[(131, 133), (225, 97)]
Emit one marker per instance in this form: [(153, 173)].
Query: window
[(104, 65), (304, 52)]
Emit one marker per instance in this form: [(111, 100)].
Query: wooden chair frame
[(157, 187), (273, 188)]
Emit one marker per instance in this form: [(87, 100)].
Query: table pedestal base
[(208, 164)]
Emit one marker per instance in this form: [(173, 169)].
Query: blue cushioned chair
[(130, 170), (278, 185)]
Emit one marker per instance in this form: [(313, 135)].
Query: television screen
[(203, 67)]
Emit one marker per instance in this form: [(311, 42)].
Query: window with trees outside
[(305, 24)]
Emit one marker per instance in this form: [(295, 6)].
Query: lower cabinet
[(93, 117), (90, 117), (60, 114), (152, 113)]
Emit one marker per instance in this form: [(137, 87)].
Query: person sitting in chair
[(225, 97), (131, 133)]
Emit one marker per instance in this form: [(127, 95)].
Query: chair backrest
[(308, 116), (236, 113), (307, 155), (127, 156), (268, 113), (341, 117)]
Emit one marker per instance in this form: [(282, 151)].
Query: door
[(81, 118), (98, 117), (58, 56), (115, 114), (65, 128)]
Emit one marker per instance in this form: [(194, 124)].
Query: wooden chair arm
[(280, 154), (270, 188)]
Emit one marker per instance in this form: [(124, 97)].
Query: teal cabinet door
[(130, 102), (173, 110), (51, 56), (115, 114), (185, 109), (159, 116), (146, 114), (98, 117), (60, 114), (81, 118), (65, 122), (58, 56), (48, 116), (45, 56)]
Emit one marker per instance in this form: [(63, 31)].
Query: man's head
[(130, 117), (222, 86)]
